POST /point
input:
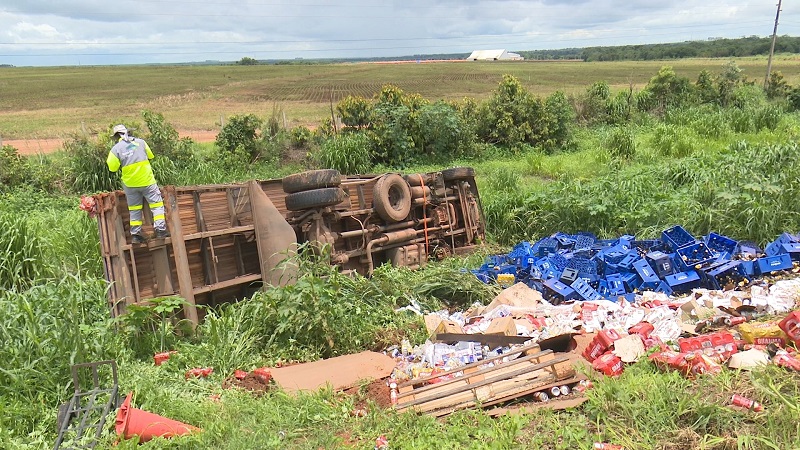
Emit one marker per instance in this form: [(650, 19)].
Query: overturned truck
[(227, 241)]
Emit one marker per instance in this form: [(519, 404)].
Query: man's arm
[(113, 162), (149, 152)]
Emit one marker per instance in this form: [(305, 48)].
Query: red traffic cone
[(137, 422)]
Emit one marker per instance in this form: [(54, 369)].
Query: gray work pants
[(135, 197)]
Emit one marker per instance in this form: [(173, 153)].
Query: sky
[(101, 32)]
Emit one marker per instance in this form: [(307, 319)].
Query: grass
[(56, 101)]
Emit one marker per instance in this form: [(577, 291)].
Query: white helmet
[(119, 129)]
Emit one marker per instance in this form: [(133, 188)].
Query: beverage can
[(747, 403)]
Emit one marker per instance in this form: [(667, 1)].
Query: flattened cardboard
[(519, 295), (502, 325), (340, 372)]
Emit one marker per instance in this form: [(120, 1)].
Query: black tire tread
[(315, 198), (312, 179)]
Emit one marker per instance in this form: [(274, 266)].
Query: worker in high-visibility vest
[(133, 156)]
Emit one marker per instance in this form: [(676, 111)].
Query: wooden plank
[(493, 340), (558, 382), (245, 279), (478, 364), (207, 234), (162, 272), (340, 372), (179, 253), (489, 380)]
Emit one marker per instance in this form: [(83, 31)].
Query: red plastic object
[(137, 422), (642, 329), (791, 326), (263, 373), (161, 358), (607, 446), (747, 403), (600, 344), (609, 364), (787, 361), (239, 374), (199, 372)]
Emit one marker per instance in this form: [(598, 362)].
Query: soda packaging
[(746, 403)]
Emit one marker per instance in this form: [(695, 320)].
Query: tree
[(247, 61)]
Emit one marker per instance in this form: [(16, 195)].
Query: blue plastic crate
[(663, 287), (722, 244), (661, 263), (627, 263), (625, 241), (631, 280), (646, 245), (769, 264), (677, 237), (584, 266), (648, 276), (583, 241), (568, 276), (749, 268), (559, 261), (720, 274), (750, 249), (584, 290), (777, 248), (693, 256), (546, 246), (788, 238), (683, 281), (557, 292), (615, 285)]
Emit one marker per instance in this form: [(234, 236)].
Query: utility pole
[(772, 47)]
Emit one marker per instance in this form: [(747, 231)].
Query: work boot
[(161, 234), (138, 239)]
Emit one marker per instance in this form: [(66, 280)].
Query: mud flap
[(276, 240)]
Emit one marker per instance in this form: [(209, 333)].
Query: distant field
[(39, 103)]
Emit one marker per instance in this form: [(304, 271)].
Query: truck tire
[(392, 198), (315, 198), (312, 179), (458, 173)]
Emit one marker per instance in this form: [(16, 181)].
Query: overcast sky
[(90, 32)]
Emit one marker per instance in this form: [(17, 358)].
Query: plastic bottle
[(393, 392)]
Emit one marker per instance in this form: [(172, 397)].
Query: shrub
[(88, 170), (621, 143), (355, 111), (241, 133), (777, 87), (165, 140), (793, 98), (767, 117), (21, 255), (672, 140), (443, 132), (13, 170), (348, 153), (300, 136)]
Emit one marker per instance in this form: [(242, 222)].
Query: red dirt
[(377, 391), (37, 146), (251, 383)]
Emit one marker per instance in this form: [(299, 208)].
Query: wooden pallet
[(478, 385)]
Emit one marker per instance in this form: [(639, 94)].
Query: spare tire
[(316, 198), (312, 179), (392, 198), (458, 173)]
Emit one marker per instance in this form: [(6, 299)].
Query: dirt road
[(37, 146)]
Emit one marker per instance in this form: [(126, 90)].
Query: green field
[(50, 102)]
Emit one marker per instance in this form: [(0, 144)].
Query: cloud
[(39, 32)]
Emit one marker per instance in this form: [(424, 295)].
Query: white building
[(494, 55)]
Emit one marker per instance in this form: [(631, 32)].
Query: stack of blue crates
[(581, 267)]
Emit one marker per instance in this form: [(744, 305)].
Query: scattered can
[(607, 446), (555, 391), (541, 396), (564, 390), (393, 392), (747, 403), (733, 321)]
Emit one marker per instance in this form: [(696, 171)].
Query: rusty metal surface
[(213, 254)]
